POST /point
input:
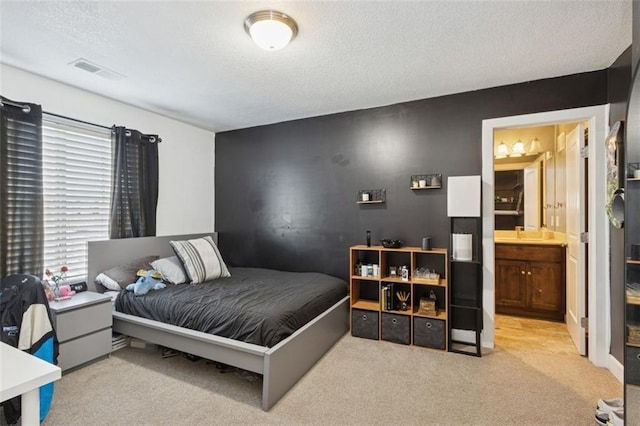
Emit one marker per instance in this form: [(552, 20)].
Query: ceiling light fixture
[(271, 30)]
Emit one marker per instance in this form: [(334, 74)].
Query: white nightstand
[(83, 326)]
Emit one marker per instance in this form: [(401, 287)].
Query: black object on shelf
[(368, 238), (386, 243)]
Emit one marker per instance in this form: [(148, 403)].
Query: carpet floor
[(358, 382)]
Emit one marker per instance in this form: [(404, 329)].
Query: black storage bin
[(364, 324), (632, 366), (429, 332), (396, 328)]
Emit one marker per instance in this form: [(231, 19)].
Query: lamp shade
[(517, 149), (535, 147), (503, 150), (271, 30)]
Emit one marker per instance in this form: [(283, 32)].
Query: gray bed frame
[(281, 366)]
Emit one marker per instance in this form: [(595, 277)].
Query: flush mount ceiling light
[(271, 30)]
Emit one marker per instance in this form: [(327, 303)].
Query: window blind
[(77, 163)]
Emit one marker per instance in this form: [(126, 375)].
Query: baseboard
[(616, 368)]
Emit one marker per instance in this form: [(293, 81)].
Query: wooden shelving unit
[(632, 302), (372, 318)]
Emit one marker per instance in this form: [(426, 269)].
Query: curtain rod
[(26, 108), (101, 126), (75, 119), (152, 138)]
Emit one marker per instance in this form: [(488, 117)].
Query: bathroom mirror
[(540, 154), (550, 153)]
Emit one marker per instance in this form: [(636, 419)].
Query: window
[(77, 191)]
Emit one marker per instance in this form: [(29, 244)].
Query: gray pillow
[(171, 269), (201, 259), (127, 274)]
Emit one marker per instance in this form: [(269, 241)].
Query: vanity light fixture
[(503, 150), (271, 30), (518, 149), (535, 147)]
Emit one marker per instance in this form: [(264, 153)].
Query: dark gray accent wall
[(286, 193), (619, 83)]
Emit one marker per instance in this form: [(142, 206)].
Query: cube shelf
[(377, 312)]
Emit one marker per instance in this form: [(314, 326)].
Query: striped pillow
[(201, 259)]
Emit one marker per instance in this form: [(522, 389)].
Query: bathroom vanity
[(530, 276)]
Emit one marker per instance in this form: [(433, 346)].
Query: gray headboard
[(106, 254)]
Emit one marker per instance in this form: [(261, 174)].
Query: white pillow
[(201, 259), (108, 283), (171, 269)]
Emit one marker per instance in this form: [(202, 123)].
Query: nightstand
[(83, 326)]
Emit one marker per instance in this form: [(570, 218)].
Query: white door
[(532, 197), (576, 275)]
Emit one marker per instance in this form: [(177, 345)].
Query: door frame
[(598, 248)]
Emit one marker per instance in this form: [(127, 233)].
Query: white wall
[(187, 153)]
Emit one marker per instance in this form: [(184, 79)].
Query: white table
[(23, 374)]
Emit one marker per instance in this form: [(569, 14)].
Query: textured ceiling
[(193, 61)]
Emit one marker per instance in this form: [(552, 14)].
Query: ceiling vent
[(96, 69)]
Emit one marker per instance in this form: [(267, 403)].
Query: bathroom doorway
[(596, 253), (537, 275)]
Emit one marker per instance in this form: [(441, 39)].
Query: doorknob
[(522, 272), (529, 273)]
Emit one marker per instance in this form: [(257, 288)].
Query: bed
[(281, 361)]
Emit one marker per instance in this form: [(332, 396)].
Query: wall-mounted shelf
[(371, 196), (428, 181)]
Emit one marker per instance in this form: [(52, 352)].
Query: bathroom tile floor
[(516, 333)]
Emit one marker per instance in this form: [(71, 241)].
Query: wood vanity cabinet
[(530, 280)]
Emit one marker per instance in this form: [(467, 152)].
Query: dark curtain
[(134, 197), (21, 189)]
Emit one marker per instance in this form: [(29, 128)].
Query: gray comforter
[(259, 306)]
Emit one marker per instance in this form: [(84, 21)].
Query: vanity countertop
[(531, 237)]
